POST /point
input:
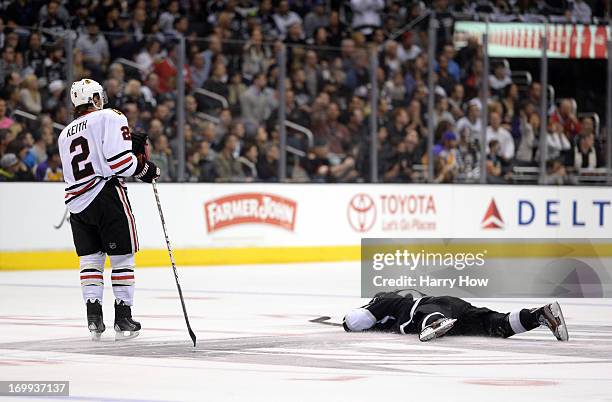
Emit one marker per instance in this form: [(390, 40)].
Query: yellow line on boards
[(53, 259), (34, 260)]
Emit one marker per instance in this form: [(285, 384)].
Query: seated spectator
[(408, 50), (9, 167), (29, 94), (509, 103), (441, 111), (453, 67), (216, 83), (367, 15), (442, 172), (499, 80), (557, 142), (320, 168), (335, 133), (584, 155), (51, 168), (38, 151), (399, 166), (267, 166), (166, 70), (95, 50), (566, 116), (316, 18), (450, 152), (56, 95), (528, 143), (494, 164), (13, 169), (455, 101), (8, 63), (146, 58), (161, 155), (284, 18), (206, 159), (445, 80), (192, 164), (5, 121), (226, 165), (496, 132), (123, 42), (257, 102), (248, 160), (471, 124), (255, 55), (555, 172)]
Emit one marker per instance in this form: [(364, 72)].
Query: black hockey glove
[(147, 172), (139, 144)]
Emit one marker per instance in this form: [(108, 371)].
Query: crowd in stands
[(232, 46)]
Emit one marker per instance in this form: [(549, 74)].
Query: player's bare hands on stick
[(146, 171)]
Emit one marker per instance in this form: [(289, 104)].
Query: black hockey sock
[(529, 319), (522, 321)]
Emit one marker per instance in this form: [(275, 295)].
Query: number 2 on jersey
[(87, 169), (125, 131)]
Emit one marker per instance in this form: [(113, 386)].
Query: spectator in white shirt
[(499, 79), (471, 123), (408, 50), (556, 141), (366, 14), (146, 58), (496, 132), (284, 18)]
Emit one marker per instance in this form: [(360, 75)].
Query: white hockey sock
[(92, 279), (122, 277)]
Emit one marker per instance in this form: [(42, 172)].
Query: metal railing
[(212, 95)]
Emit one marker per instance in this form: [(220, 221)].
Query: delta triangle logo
[(492, 218)]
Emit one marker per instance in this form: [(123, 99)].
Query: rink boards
[(216, 224)]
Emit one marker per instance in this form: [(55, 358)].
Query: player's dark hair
[(83, 109)]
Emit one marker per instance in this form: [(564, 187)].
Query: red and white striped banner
[(565, 41)]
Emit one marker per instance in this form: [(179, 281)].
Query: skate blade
[(431, 333), (95, 336), (561, 332), (122, 336)]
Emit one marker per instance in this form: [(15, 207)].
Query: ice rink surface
[(255, 343)]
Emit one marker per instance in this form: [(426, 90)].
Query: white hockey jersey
[(94, 148)]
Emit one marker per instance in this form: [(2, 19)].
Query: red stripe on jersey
[(119, 278), (92, 276), (81, 191), (123, 162)]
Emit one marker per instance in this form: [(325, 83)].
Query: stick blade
[(324, 320), (192, 336)]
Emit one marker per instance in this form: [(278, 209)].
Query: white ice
[(255, 343)]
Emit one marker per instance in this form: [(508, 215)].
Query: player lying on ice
[(432, 317), (98, 153)]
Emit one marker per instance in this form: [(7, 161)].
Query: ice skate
[(95, 322), (125, 326), (436, 329), (551, 316)]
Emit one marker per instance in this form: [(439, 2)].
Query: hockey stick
[(178, 285), (323, 320), (63, 220)]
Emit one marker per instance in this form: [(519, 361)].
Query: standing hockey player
[(432, 317), (98, 152)]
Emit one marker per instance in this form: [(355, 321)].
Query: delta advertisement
[(204, 216), (523, 40)]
